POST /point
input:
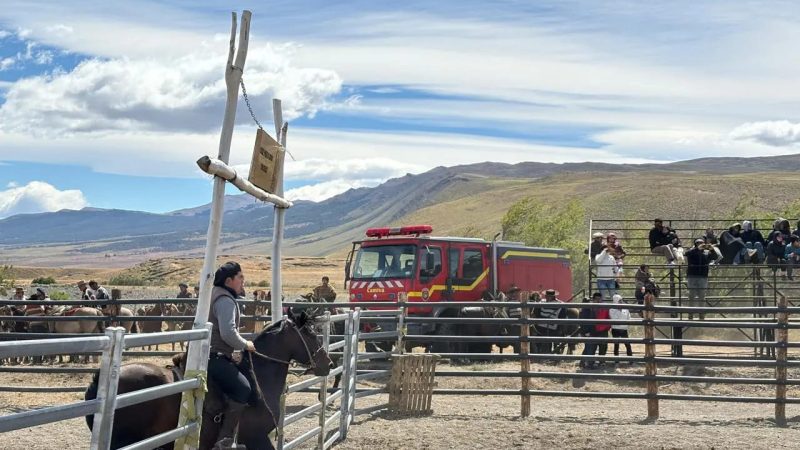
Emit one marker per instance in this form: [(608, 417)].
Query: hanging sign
[(267, 162)]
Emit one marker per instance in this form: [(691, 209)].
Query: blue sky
[(108, 104)]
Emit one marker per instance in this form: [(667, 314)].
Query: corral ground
[(478, 422)]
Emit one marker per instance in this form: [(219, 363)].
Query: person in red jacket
[(601, 330)]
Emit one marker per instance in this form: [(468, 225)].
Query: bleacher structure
[(728, 285)]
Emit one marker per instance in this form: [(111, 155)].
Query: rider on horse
[(223, 369)]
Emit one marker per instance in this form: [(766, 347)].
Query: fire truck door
[(430, 270), (472, 274)]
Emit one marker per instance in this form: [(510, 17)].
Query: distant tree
[(59, 295), (543, 225), (43, 280), (6, 278)]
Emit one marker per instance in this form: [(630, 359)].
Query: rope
[(189, 409)]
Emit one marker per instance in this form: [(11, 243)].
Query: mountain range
[(468, 199)]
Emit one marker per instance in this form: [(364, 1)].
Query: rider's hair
[(225, 271)]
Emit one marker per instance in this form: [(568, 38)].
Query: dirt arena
[(494, 423)]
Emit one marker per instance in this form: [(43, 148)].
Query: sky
[(108, 104)]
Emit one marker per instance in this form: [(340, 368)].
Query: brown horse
[(155, 326), (120, 311), (257, 308), (291, 339)]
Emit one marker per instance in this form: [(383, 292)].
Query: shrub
[(44, 280), (126, 280), (263, 283), (59, 295)]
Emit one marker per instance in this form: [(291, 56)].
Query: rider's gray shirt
[(226, 313)]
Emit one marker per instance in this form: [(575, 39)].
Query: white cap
[(616, 298)]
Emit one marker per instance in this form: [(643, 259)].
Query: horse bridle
[(312, 365)]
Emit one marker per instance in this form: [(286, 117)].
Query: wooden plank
[(782, 337), (524, 350), (650, 353)]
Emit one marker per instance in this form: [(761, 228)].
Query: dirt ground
[(476, 422)]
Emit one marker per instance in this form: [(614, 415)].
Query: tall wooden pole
[(277, 231), (782, 337), (649, 356), (197, 359), (524, 351)]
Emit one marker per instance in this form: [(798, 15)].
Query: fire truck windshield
[(385, 261)]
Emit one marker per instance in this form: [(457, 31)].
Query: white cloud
[(357, 168), (777, 133), (60, 29), (6, 63), (4, 34), (321, 191), (38, 196), (184, 94)]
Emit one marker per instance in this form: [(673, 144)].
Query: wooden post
[(782, 338), (401, 323), (277, 229), (108, 382), (196, 358), (649, 357), (524, 350)]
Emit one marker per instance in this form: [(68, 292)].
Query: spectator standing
[(550, 309), (84, 289), (642, 277), (587, 330), (184, 291), (601, 330), (618, 330), (754, 240), (660, 241), (19, 293), (606, 273), (698, 259), (197, 292), (97, 292)]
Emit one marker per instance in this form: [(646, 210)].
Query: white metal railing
[(107, 401)]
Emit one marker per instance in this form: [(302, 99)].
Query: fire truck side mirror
[(430, 262)]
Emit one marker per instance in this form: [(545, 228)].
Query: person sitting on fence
[(587, 330), (776, 253), (226, 343), (699, 258), (780, 226), (324, 291), (620, 330), (792, 255), (606, 273), (661, 241), (596, 246), (548, 312), (796, 231), (733, 248), (615, 247), (753, 240)]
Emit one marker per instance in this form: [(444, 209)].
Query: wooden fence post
[(782, 338), (107, 389), (346, 374), (524, 350), (649, 357)]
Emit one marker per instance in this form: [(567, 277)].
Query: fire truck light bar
[(399, 231)]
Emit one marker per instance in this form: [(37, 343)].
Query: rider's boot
[(230, 420)]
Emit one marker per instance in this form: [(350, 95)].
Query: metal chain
[(247, 101)]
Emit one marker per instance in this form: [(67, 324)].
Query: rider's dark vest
[(218, 345)]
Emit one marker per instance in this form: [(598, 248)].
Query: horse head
[(294, 339)]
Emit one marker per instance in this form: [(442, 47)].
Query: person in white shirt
[(620, 331), (606, 274)]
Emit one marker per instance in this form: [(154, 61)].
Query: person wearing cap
[(620, 330), (324, 291), (660, 238), (698, 259), (184, 291), (596, 246), (549, 297)]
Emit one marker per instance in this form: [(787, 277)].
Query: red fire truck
[(432, 271)]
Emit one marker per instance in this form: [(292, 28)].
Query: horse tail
[(91, 394), (135, 327)]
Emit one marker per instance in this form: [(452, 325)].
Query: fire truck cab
[(433, 271)]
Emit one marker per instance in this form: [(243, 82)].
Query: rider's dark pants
[(228, 377)]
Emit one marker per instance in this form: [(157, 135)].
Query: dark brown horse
[(291, 339)]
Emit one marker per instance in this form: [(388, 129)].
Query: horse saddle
[(71, 311)]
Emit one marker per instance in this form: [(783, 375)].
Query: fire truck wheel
[(446, 329)]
